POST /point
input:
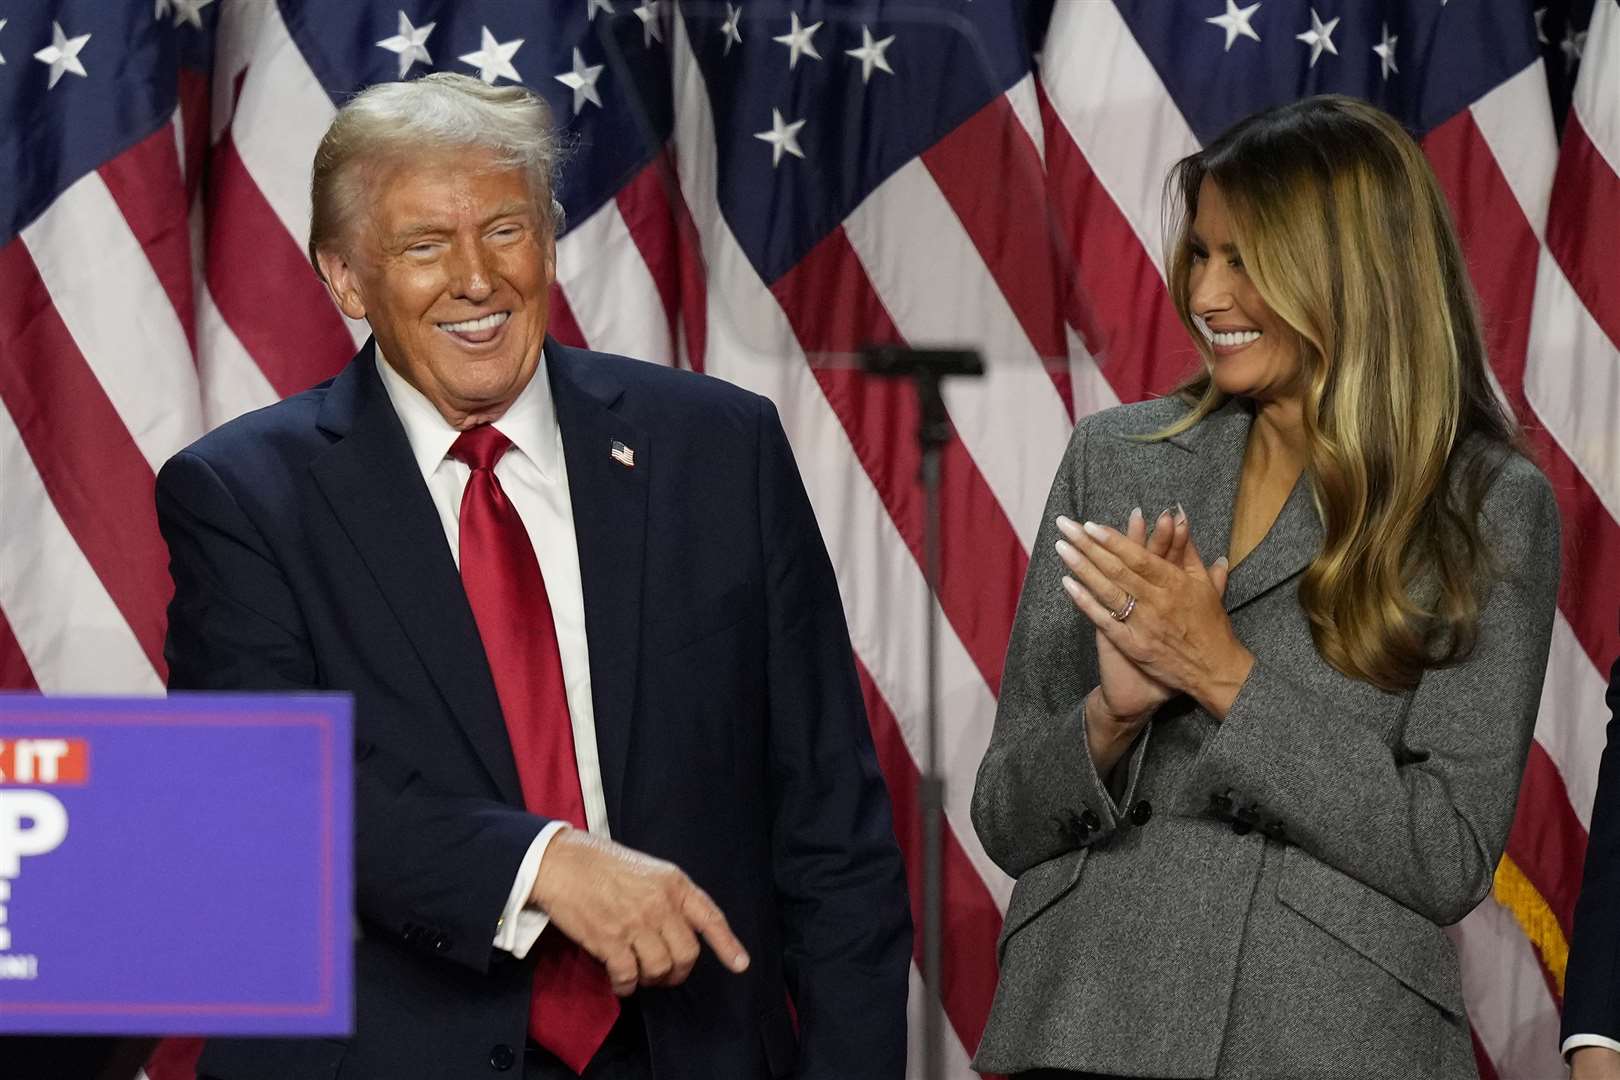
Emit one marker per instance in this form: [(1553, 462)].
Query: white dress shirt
[(1575, 1042), (534, 478)]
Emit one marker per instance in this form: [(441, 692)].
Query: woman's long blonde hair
[(1346, 235)]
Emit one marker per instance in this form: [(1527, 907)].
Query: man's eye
[(421, 249)]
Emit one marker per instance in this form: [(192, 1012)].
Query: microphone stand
[(926, 368)]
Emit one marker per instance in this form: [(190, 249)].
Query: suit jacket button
[(1221, 804), (440, 942), (501, 1057), (1243, 821), (1090, 821), (1141, 813)]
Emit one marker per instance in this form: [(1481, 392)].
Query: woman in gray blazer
[(1242, 798)]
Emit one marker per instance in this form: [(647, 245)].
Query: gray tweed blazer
[(1265, 895)]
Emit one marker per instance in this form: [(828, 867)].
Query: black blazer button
[(501, 1057), (1221, 804), (1090, 821), (1244, 820), (1141, 813)]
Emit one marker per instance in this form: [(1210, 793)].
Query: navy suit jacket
[(1592, 980), (306, 554)]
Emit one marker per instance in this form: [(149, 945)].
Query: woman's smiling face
[(1257, 355)]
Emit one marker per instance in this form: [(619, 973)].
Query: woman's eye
[(1199, 254)]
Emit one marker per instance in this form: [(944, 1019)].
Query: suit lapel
[(1287, 548), (376, 492), (610, 522), (1210, 480), (1205, 468)]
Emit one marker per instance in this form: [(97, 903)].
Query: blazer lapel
[(1210, 482), (1293, 541), (609, 500), (376, 492), (1206, 471)]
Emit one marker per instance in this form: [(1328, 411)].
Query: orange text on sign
[(42, 762)]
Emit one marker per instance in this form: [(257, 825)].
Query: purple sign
[(176, 866)]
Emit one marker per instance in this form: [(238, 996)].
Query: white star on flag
[(1386, 51), (410, 43), (798, 41), (582, 81), (160, 9), (593, 6), (1319, 37), (1236, 22), (651, 27), (2, 27), (190, 11), (1541, 34), (494, 60), (729, 28), (62, 54), (1573, 46), (870, 54), (781, 137)]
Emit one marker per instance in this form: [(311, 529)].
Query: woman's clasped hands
[(1161, 625)]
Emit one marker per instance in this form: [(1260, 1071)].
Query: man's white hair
[(391, 122)]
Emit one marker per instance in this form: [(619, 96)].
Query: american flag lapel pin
[(623, 454)]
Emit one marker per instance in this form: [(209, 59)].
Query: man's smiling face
[(451, 263)]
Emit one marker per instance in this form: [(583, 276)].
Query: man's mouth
[(479, 330)]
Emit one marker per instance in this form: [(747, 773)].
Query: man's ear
[(551, 257), (342, 283)]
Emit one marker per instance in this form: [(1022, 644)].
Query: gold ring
[(1125, 612)]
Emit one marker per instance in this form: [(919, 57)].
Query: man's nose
[(470, 272)]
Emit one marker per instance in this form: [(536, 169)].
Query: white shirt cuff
[(519, 926), (1575, 1042)]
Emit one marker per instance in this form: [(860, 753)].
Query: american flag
[(755, 190)]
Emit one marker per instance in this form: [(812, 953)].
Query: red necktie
[(573, 1006)]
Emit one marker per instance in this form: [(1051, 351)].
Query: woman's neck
[(1277, 437)]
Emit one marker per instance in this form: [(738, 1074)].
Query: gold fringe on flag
[(1513, 891)]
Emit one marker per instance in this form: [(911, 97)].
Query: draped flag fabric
[(754, 190)]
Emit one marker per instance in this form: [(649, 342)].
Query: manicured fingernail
[(1181, 515), (1067, 527), (1221, 561), (1066, 549), (740, 962), (1165, 513), (1095, 531), (1136, 516)]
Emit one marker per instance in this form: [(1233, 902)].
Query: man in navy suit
[(617, 804), (1591, 1030)]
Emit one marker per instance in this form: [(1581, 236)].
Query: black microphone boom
[(926, 367)]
